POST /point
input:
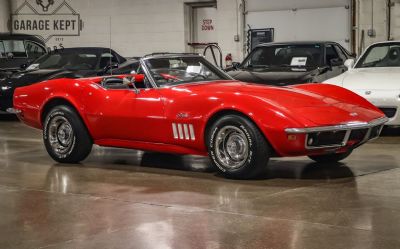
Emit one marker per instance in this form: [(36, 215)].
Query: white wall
[(292, 20), (4, 15), (269, 5), (138, 27), (371, 14)]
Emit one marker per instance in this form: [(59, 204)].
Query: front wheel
[(65, 136), (331, 158), (237, 147)]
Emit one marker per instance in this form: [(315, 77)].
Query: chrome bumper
[(374, 129), (13, 111)]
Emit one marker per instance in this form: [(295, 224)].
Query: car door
[(334, 61), (128, 115)]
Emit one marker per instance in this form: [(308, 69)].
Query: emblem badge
[(45, 6), (353, 114)]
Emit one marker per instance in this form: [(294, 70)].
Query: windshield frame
[(249, 56), (152, 81), (368, 50)]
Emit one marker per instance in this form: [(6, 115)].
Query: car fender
[(270, 119), (338, 93)]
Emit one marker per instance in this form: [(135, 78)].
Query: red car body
[(175, 119)]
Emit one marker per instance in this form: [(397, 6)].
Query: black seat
[(113, 83)]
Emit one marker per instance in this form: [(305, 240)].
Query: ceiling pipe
[(244, 13), (388, 19)]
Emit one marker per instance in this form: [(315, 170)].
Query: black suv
[(18, 51)]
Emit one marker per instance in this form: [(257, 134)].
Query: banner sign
[(34, 20)]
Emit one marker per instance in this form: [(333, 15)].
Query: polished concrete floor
[(129, 199)]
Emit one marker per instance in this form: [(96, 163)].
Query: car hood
[(372, 79), (274, 76), (320, 110)]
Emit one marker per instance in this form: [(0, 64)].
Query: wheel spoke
[(232, 147), (61, 135)]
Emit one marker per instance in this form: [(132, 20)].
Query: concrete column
[(5, 12)]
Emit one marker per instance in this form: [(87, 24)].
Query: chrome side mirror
[(130, 81), (349, 63)]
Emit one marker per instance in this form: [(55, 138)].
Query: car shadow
[(8, 118), (275, 168)]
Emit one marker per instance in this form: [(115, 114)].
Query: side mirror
[(132, 81), (349, 63), (138, 78), (335, 62)]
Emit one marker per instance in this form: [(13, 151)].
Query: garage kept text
[(63, 25)]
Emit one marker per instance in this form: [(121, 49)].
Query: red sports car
[(180, 103)]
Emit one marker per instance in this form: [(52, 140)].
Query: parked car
[(375, 76), (128, 67), (288, 63), (66, 63), (181, 103), (18, 51)]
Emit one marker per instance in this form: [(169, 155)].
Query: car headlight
[(5, 88)]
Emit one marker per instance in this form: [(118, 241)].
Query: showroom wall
[(138, 27), (303, 20), (372, 19), (133, 28), (4, 14)]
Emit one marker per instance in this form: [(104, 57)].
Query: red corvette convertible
[(180, 103)]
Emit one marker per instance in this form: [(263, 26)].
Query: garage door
[(330, 24)]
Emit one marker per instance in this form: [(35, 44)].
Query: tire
[(65, 136), (237, 148), (331, 158)]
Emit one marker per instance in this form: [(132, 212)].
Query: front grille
[(326, 138), (375, 132), (358, 135), (389, 112)]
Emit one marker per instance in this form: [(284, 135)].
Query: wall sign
[(35, 18), (207, 25)]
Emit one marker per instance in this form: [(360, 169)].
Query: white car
[(376, 77)]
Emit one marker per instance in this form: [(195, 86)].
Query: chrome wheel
[(61, 136), (231, 147)]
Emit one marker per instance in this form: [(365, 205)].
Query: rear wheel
[(237, 148), (65, 136), (331, 158)]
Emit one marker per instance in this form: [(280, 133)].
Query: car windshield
[(285, 56), (13, 48), (69, 61), (381, 55), (181, 70)]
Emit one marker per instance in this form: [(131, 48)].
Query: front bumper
[(344, 135)]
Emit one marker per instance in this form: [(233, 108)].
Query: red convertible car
[(180, 103)]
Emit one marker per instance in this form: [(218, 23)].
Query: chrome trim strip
[(180, 131), (348, 126), (175, 131), (191, 130), (186, 130), (13, 110)]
